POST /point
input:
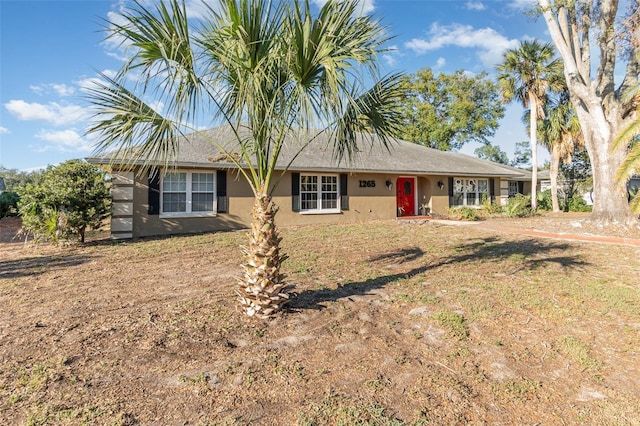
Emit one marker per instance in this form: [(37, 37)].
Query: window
[(319, 193), (469, 192), (514, 188), (191, 193)]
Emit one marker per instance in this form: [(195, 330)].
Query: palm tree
[(270, 70), (561, 134), (631, 163), (526, 74)]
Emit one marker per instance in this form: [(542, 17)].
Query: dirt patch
[(391, 324)]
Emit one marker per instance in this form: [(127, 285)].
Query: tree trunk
[(262, 291), (597, 103), (533, 138), (553, 174), (610, 204)]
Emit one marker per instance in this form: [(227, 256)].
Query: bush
[(491, 209), (464, 213), (9, 204), (519, 206), (577, 204), (68, 199), (544, 200)]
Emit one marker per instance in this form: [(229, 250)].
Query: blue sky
[(50, 49)]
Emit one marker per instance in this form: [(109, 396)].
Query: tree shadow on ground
[(33, 266), (531, 253)]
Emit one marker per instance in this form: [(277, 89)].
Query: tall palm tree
[(526, 74), (561, 134), (631, 163), (269, 70)]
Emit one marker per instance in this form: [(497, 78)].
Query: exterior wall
[(437, 198), (238, 217), (369, 199), (122, 196), (366, 203)]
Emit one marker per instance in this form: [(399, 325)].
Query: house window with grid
[(470, 192), (319, 193), (514, 188), (188, 193)]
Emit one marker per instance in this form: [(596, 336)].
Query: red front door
[(405, 196)]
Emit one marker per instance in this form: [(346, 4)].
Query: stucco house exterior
[(202, 191)]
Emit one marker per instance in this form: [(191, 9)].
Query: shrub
[(69, 198), (577, 204), (519, 206), (491, 209), (544, 200), (464, 213), (9, 204)]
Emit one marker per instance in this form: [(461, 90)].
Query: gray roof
[(198, 150)]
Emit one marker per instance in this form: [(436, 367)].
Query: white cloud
[(54, 113), (441, 62), (475, 5), (64, 140), (4, 131), (390, 57), (523, 4), (490, 44), (58, 88), (365, 6)]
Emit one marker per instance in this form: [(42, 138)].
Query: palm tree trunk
[(533, 139), (262, 291), (553, 174)]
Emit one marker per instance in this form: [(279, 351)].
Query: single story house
[(202, 190)]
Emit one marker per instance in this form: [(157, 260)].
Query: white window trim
[(464, 192), (321, 210), (189, 213)]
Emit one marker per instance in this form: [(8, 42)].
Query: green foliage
[(448, 110), (518, 206), (577, 204), (9, 204), (522, 154), (571, 204), (492, 153), (15, 180), (544, 200), (464, 213), (69, 198)]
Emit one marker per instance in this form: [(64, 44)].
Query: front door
[(405, 196)]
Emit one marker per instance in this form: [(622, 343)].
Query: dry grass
[(392, 325)]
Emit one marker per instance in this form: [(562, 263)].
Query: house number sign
[(367, 184)]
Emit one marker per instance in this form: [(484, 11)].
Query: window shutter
[(221, 191), (154, 192), (344, 198), (521, 187), (450, 182), (492, 190), (295, 192)]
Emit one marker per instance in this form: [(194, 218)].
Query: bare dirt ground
[(392, 324)]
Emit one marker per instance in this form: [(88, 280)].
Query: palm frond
[(162, 54), (374, 114), (630, 165), (129, 130)]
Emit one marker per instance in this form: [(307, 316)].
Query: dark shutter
[(520, 187), (344, 198), (154, 192), (221, 191), (295, 192), (492, 190), (450, 191)]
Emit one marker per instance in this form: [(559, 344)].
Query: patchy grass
[(390, 325)]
